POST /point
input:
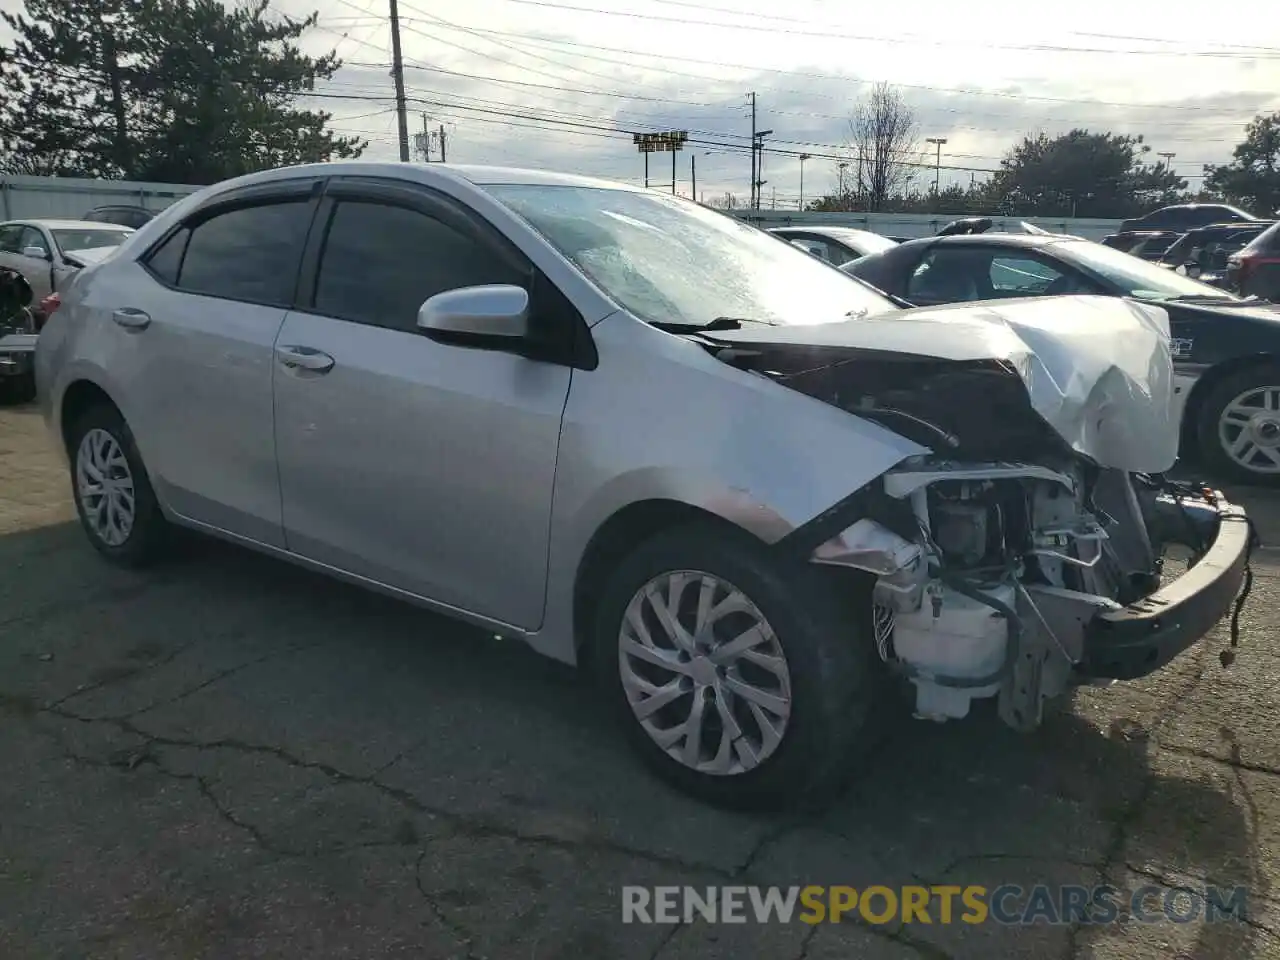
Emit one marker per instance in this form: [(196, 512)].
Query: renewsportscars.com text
[(1008, 904)]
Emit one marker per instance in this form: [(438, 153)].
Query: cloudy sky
[(562, 83), (550, 82)]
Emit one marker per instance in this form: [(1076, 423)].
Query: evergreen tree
[(178, 91)]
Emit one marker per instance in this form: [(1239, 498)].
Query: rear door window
[(248, 253)]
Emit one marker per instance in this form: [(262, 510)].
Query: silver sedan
[(739, 486)]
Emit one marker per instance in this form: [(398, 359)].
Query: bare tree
[(883, 147)]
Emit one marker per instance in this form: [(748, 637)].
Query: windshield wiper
[(719, 323), (1204, 298)]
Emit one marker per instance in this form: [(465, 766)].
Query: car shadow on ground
[(501, 744)]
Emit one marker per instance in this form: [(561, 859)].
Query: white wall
[(71, 198)]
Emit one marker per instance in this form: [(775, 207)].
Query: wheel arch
[(617, 536), (78, 397)]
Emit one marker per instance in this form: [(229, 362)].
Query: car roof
[(476, 175), (64, 224)]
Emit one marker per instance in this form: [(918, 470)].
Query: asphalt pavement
[(231, 757)]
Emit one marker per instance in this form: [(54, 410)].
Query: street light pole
[(1168, 158), (840, 168), (937, 167), (803, 158)]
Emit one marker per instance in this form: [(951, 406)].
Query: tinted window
[(381, 262), (949, 276), (247, 254), (166, 261)]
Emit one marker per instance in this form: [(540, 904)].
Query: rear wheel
[(738, 678), (113, 495), (1238, 431)]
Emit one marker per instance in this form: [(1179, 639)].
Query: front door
[(421, 465)]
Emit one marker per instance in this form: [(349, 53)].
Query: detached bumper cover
[(1141, 638)]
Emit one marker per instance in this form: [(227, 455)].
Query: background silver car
[(506, 395)]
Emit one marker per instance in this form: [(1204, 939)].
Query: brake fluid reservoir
[(953, 635)]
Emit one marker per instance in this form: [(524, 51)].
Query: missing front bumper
[(1138, 639)]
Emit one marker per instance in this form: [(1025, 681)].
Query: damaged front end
[(1027, 554)]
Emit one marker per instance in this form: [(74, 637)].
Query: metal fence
[(69, 198), (919, 224)]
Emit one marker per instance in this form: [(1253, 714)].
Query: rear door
[(194, 324), (419, 464)]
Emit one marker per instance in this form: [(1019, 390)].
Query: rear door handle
[(304, 358), (131, 319)]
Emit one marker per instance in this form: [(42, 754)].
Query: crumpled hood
[(1098, 370)]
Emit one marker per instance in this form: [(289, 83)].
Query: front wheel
[(1238, 430), (739, 678)]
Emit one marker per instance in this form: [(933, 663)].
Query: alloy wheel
[(104, 484), (1249, 430), (704, 673)]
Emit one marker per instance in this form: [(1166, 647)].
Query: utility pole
[(397, 74), (937, 167), (442, 157), (673, 173), (840, 168), (693, 177), (422, 141), (753, 203), (803, 158), (1168, 158), (757, 147)]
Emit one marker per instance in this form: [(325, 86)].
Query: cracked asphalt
[(231, 757)]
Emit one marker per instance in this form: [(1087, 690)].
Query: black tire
[(150, 535), (825, 639), (1209, 445)]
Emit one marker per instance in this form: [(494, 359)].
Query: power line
[(828, 34)]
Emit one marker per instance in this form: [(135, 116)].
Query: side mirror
[(35, 253), (476, 315)]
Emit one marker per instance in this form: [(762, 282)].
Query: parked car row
[(747, 492)]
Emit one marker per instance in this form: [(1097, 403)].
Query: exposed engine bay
[(992, 580), (1022, 551)]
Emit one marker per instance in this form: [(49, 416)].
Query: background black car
[(1204, 252), (122, 214), (1186, 216), (1255, 270), (1226, 350)]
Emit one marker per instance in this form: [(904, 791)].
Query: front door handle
[(304, 358), (131, 319)]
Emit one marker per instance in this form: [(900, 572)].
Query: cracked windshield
[(639, 480)]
